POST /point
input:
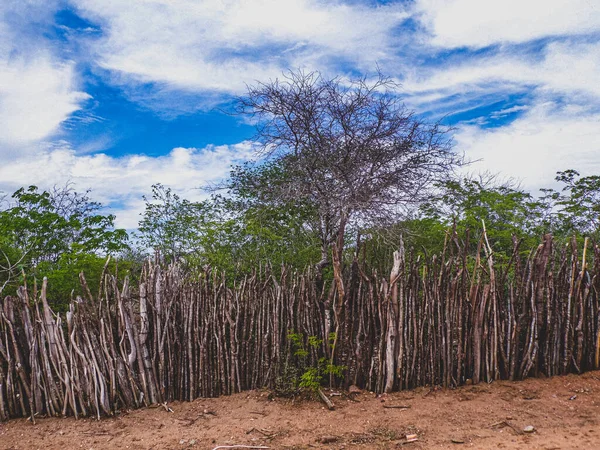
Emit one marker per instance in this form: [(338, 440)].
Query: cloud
[(217, 45), (546, 139), (36, 96), (506, 111), (562, 67), (543, 99), (120, 182), (566, 70), (477, 23), (530, 67), (38, 90)]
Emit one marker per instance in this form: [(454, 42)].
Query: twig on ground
[(350, 397), (267, 433), (326, 400), (506, 423), (239, 446)]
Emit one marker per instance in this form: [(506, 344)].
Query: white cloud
[(547, 136), (220, 45), (569, 71), (38, 91), (572, 68), (36, 96), (544, 140), (506, 111), (479, 23), (122, 181), (202, 49)]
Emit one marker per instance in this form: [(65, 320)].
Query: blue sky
[(117, 95)]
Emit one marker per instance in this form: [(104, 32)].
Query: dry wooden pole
[(174, 336), (392, 324)]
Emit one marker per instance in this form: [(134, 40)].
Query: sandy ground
[(564, 411)]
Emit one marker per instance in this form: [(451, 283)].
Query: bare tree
[(350, 147)]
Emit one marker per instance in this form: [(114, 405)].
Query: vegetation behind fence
[(436, 321)]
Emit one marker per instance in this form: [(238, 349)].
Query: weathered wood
[(437, 320), (326, 400)]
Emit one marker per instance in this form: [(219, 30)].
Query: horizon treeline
[(343, 170), (59, 233)]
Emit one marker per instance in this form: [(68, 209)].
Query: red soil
[(565, 412)]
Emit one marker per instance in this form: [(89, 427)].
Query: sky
[(114, 95)]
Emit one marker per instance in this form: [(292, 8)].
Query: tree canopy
[(58, 232), (349, 148), (339, 159)]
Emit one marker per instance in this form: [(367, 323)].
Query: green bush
[(303, 374)]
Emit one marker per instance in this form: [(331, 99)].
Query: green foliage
[(305, 375), (44, 225), (506, 211), (170, 224), (575, 210), (63, 275), (262, 232), (233, 234), (59, 233), (56, 234), (276, 227), (422, 235)]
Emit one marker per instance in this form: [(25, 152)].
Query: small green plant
[(304, 374)]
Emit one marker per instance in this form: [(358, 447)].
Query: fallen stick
[(397, 406), (239, 446), (506, 423), (190, 422), (524, 411), (350, 397), (266, 433), (328, 402)]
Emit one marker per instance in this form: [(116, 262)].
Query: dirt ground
[(564, 412)]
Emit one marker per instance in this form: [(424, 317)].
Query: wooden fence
[(439, 321)]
